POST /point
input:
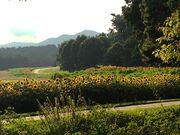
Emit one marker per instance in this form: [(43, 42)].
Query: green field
[(30, 72), (52, 72)]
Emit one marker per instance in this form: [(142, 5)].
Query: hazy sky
[(36, 20)]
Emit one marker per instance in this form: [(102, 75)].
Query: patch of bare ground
[(5, 75)]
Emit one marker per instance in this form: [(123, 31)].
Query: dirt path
[(5, 75), (143, 106), (36, 71)]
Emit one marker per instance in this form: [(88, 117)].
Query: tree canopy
[(169, 51), (145, 17)]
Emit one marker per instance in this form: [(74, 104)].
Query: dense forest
[(28, 57), (147, 33)]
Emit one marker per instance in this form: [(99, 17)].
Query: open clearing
[(5, 75), (34, 72)]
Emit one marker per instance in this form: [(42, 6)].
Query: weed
[(62, 116)]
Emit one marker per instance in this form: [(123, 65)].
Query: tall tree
[(120, 30), (114, 55), (121, 34), (146, 16), (83, 52), (91, 52), (64, 56), (74, 52)]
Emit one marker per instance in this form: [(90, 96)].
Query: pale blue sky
[(36, 20)]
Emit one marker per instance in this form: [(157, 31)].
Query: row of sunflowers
[(23, 94)]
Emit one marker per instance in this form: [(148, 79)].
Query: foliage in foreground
[(169, 52), (161, 121)]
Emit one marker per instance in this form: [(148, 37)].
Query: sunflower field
[(99, 88)]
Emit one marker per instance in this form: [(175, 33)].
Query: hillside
[(50, 41), (65, 37)]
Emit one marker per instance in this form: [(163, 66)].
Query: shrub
[(155, 122)]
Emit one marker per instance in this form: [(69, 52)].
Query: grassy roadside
[(153, 121), (105, 106)]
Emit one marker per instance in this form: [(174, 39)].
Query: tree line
[(147, 33), (41, 56), (85, 52)]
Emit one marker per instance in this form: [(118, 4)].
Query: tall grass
[(62, 117), (98, 121)]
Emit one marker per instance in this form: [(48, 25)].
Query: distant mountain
[(89, 33), (65, 37), (51, 41), (56, 41)]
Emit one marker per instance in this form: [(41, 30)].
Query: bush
[(155, 122)]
